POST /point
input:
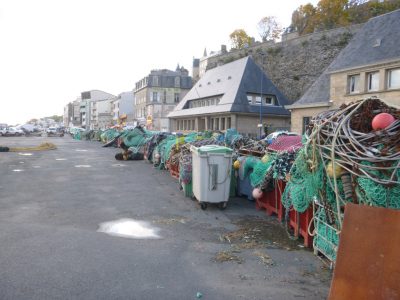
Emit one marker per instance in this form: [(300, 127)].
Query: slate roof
[(166, 79), (233, 81), (377, 41)]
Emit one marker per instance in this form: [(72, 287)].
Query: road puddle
[(129, 228)]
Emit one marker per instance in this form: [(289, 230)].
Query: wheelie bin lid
[(211, 149)]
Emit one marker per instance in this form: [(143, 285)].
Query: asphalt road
[(53, 202)]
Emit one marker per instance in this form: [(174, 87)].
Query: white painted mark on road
[(21, 162), (118, 165), (129, 228), (81, 150), (61, 159), (25, 154), (18, 170), (36, 167), (83, 166)]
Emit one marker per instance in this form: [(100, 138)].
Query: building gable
[(229, 85)]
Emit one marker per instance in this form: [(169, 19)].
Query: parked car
[(3, 131), (51, 130), (12, 131)]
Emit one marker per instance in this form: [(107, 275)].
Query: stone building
[(369, 66), (236, 95), (157, 94), (95, 116), (122, 107), (72, 114)]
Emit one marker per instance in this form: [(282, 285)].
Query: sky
[(52, 50)]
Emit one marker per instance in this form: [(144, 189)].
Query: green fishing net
[(304, 184), (326, 237), (373, 193)]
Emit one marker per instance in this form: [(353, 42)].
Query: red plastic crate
[(300, 222), (173, 170), (271, 201)]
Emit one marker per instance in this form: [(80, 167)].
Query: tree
[(240, 39), (332, 13), (269, 29), (303, 19), (329, 14)]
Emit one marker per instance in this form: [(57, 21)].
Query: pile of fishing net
[(136, 138), (41, 147), (185, 158), (345, 160), (108, 135)]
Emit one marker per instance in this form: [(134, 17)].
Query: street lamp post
[(260, 125)]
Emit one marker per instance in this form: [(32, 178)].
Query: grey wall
[(293, 65)]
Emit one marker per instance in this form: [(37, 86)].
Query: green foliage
[(330, 14), (240, 39), (274, 51), (344, 39), (269, 29), (55, 118)]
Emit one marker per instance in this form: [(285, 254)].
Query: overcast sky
[(52, 50)]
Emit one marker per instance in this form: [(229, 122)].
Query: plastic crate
[(173, 170), (271, 201), (187, 189), (299, 222), (244, 188), (322, 231)]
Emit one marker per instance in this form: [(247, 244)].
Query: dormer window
[(155, 81), (177, 81), (269, 100)]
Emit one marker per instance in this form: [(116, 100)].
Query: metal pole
[(261, 93)]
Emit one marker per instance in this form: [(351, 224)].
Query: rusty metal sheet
[(368, 258)]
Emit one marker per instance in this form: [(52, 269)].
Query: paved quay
[(55, 205)]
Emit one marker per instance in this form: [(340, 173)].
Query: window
[(228, 123), (373, 81), (270, 100), (306, 122), (222, 123), (176, 97), (165, 97), (155, 81), (250, 99), (354, 84), (258, 100), (177, 81), (155, 97), (393, 79)]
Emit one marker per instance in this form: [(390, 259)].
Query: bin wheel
[(222, 205), (193, 198), (203, 205)]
